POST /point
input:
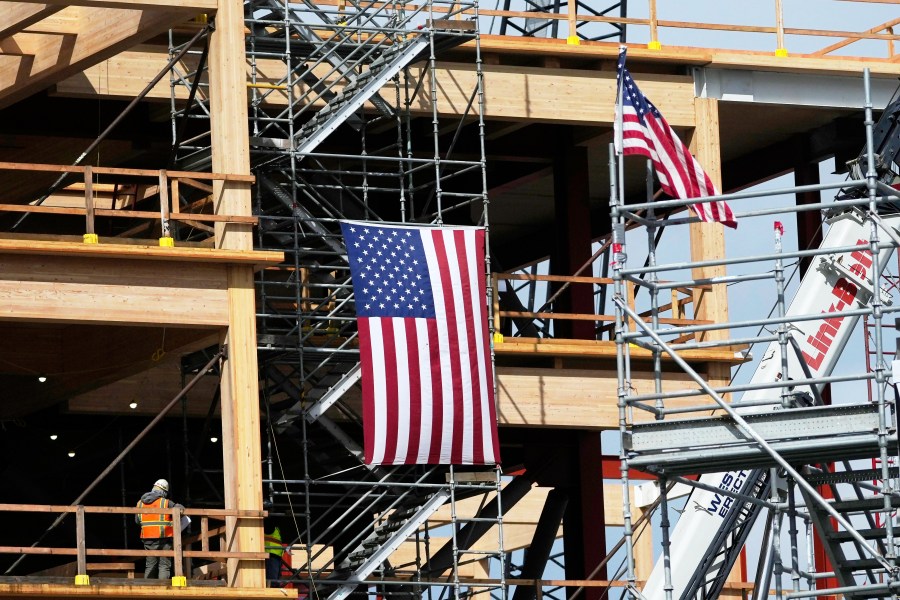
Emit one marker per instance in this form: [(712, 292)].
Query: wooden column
[(708, 242), (708, 239), (240, 385)]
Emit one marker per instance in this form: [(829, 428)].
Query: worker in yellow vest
[(273, 561), (157, 529)]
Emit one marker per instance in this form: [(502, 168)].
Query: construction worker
[(273, 561), (157, 529)]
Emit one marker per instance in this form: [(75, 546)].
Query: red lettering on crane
[(845, 293)]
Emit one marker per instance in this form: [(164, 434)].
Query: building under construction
[(177, 303)]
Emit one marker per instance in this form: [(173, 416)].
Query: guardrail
[(680, 306), (167, 188), (180, 544)]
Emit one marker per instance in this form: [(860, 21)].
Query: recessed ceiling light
[(72, 454), (214, 439), (42, 378), (133, 405), (53, 436)]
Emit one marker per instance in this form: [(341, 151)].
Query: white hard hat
[(162, 484)]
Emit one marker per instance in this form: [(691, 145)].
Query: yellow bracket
[(498, 338), (167, 242), (573, 40), (91, 238), (781, 53), (82, 580), (180, 581), (654, 45)]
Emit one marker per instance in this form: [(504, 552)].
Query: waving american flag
[(646, 132), (428, 382)]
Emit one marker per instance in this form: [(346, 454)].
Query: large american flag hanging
[(427, 379), (646, 132)]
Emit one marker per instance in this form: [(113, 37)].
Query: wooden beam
[(16, 16), (126, 592), (708, 239), (72, 289), (576, 398), (26, 245), (101, 33), (240, 387), (511, 92), (191, 6)]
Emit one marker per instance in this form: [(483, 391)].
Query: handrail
[(568, 11), (167, 187), (677, 306), (178, 551)]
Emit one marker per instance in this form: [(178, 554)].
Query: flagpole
[(619, 127)]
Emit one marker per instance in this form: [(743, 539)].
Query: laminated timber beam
[(536, 94), (190, 6), (70, 282), (78, 37), (67, 590), (16, 16)]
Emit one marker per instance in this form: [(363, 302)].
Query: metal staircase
[(344, 124)]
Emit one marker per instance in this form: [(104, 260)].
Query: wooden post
[(654, 44), (165, 229), (204, 534), (572, 8), (89, 205), (178, 561), (80, 540), (240, 389), (780, 50), (890, 31), (176, 199), (495, 302), (708, 239)]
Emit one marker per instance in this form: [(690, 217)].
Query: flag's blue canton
[(390, 271), (633, 95)]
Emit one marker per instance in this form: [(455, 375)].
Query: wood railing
[(166, 185), (575, 18), (678, 308), (578, 13), (181, 544)]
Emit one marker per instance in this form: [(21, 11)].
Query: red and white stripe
[(428, 391), (680, 174)]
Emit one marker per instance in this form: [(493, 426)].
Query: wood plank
[(56, 590), (581, 399), (101, 33), (71, 289), (604, 349), (138, 252), (16, 16), (191, 6), (511, 92)]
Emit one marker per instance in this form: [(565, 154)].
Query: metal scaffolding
[(769, 446), (345, 123)]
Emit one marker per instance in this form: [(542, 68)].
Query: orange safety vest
[(156, 525)]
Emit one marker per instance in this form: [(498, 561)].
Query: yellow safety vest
[(273, 543)]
